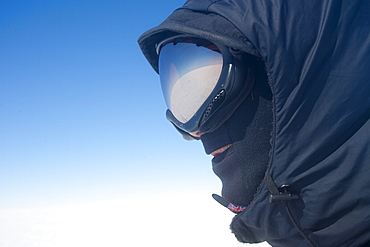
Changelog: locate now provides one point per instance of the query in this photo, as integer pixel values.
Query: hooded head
(245, 125)
(319, 121)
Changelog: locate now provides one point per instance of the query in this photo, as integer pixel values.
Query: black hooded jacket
(317, 58)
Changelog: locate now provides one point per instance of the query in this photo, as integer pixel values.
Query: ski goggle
(196, 77)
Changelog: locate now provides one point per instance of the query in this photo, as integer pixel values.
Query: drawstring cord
(284, 196)
(297, 226)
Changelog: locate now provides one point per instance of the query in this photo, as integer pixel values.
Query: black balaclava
(241, 167)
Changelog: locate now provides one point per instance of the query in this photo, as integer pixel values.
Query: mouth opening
(220, 150)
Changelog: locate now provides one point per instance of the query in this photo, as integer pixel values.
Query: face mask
(242, 166)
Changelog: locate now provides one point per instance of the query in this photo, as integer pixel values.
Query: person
(278, 92)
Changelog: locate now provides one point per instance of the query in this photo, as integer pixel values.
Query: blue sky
(82, 119)
(81, 110)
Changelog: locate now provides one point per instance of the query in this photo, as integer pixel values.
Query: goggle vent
(214, 104)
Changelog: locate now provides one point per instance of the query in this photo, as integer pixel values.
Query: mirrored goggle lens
(188, 75)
